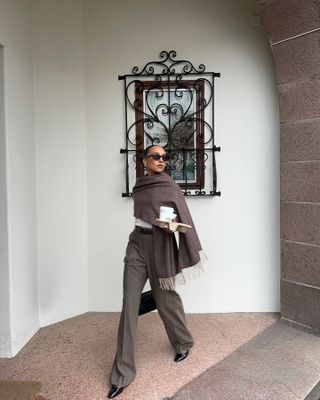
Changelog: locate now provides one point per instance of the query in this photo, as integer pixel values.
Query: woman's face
(155, 166)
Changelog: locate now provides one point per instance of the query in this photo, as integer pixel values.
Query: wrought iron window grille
(170, 103)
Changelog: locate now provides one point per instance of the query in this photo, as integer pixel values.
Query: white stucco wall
(5, 328)
(19, 290)
(62, 175)
(239, 231)
(60, 158)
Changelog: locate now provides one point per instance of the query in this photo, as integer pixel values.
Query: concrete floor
(235, 356)
(281, 363)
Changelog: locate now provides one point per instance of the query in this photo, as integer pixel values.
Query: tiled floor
(72, 359)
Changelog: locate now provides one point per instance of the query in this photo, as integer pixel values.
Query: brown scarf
(173, 265)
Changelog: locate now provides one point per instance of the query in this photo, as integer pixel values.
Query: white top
(142, 224)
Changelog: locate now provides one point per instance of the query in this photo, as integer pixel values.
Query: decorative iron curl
(168, 65)
(204, 158)
(200, 192)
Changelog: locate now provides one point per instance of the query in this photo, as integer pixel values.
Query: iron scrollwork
(171, 103)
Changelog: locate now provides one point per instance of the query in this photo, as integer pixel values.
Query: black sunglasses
(157, 156)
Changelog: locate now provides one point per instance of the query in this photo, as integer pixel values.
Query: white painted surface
(239, 231)
(21, 277)
(70, 95)
(5, 328)
(61, 158)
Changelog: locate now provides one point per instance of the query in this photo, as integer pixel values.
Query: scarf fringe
(185, 275)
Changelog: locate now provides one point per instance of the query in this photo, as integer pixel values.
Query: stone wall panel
(287, 18)
(300, 222)
(300, 263)
(300, 181)
(293, 28)
(300, 303)
(300, 99)
(300, 141)
(297, 59)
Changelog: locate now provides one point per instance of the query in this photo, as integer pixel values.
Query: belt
(146, 231)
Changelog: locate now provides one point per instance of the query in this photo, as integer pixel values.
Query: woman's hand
(171, 227)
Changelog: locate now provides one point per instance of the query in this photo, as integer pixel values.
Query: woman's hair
(146, 150)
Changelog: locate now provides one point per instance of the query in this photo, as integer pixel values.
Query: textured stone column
(293, 28)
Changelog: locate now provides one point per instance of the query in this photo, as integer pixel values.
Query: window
(170, 103)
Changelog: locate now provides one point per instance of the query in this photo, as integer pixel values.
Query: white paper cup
(167, 214)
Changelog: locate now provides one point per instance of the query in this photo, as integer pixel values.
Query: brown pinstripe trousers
(138, 264)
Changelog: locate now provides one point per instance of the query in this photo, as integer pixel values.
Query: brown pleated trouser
(137, 269)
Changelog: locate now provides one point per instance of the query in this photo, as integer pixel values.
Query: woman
(152, 252)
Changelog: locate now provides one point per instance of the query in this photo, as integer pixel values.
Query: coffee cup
(167, 214)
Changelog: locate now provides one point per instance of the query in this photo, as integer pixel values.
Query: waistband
(143, 230)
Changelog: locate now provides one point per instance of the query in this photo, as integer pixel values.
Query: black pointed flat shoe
(115, 391)
(181, 356)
